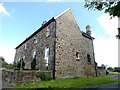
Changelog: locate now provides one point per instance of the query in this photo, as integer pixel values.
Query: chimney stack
(88, 31)
(43, 22)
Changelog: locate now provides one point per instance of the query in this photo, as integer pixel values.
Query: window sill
(89, 63)
(47, 36)
(78, 59)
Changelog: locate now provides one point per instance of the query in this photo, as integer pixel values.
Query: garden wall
(101, 71)
(14, 78)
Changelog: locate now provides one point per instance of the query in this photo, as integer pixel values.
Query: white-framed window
(35, 39)
(77, 55)
(46, 57)
(48, 31)
(34, 54)
(25, 46)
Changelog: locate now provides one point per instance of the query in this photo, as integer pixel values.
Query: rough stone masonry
(60, 46)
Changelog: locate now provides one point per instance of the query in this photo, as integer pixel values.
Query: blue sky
(19, 20)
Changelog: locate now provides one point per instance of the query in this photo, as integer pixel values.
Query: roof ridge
(61, 13)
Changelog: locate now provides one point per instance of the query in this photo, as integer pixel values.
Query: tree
(33, 63)
(110, 69)
(109, 6)
(2, 59)
(10, 66)
(20, 64)
(117, 69)
(3, 62)
(103, 66)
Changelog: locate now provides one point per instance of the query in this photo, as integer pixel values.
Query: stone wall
(69, 41)
(39, 47)
(14, 78)
(101, 71)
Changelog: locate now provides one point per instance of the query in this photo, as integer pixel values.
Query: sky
(18, 20)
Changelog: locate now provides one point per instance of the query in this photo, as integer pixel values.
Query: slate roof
(47, 23)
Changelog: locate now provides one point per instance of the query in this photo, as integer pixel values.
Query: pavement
(4, 84)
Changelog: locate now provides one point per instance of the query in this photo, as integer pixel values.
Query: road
(113, 86)
(115, 76)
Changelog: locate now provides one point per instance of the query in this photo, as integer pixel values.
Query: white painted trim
(118, 22)
(61, 13)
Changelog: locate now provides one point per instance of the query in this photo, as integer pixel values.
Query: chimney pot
(43, 22)
(88, 31)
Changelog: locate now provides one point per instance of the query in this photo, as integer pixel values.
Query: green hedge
(44, 76)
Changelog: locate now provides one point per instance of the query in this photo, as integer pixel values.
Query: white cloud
(106, 51)
(106, 48)
(108, 25)
(3, 11)
(8, 53)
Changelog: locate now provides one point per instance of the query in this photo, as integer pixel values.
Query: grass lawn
(114, 73)
(70, 83)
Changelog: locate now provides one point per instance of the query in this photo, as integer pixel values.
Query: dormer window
(77, 55)
(35, 39)
(48, 31)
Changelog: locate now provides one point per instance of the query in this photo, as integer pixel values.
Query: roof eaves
(52, 19)
(87, 36)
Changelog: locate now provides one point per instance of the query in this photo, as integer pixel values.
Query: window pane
(25, 46)
(77, 55)
(46, 56)
(35, 39)
(88, 57)
(48, 31)
(34, 53)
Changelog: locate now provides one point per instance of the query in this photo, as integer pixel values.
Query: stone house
(60, 46)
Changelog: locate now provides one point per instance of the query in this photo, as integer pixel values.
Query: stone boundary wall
(101, 72)
(14, 78)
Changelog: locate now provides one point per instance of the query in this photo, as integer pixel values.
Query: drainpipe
(54, 51)
(118, 36)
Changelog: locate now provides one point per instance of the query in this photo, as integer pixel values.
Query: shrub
(116, 69)
(19, 64)
(45, 76)
(33, 63)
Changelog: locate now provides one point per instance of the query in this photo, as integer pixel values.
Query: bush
(110, 69)
(10, 66)
(44, 76)
(33, 63)
(116, 69)
(19, 64)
